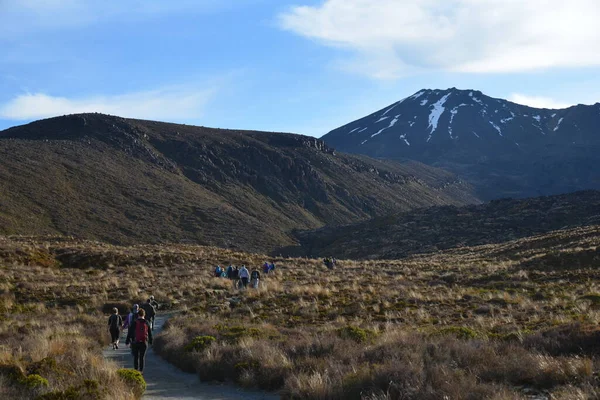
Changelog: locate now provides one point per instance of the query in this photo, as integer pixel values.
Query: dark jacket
(154, 304)
(131, 331)
(115, 321)
(149, 309)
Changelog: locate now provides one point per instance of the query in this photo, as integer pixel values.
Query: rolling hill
(128, 181)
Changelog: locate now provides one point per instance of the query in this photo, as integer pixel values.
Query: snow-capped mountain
(506, 149)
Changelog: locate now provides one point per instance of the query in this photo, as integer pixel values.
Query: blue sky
(278, 65)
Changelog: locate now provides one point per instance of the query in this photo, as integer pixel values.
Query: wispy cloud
(171, 104)
(537, 101)
(18, 17)
(396, 37)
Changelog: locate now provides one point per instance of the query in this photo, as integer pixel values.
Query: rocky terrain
(445, 227)
(504, 149)
(129, 181)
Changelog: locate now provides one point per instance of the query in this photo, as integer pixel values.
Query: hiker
(244, 275)
(254, 278)
(229, 271)
(266, 267)
(272, 267)
(140, 336)
(150, 312)
(235, 277)
(218, 272)
(328, 262)
(153, 302)
(115, 322)
(131, 316)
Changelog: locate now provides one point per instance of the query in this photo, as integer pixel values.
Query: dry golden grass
(488, 322)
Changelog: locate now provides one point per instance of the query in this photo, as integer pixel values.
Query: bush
(357, 334)
(200, 343)
(133, 379)
(461, 332)
(34, 381)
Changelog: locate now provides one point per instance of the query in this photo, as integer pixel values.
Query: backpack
(141, 331)
(254, 274)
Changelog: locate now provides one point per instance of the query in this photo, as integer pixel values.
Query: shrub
(199, 343)
(34, 381)
(133, 379)
(355, 333)
(461, 332)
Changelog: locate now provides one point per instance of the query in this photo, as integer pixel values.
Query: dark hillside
(445, 227)
(126, 181)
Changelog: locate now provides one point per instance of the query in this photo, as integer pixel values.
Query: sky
(287, 65)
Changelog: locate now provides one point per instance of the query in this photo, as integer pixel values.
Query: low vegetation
(506, 321)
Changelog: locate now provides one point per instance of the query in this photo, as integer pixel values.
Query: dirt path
(165, 381)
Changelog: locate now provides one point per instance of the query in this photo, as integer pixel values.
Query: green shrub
(133, 379)
(461, 332)
(34, 381)
(199, 343)
(355, 333)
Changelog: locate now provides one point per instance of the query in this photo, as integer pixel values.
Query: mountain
(127, 181)
(446, 227)
(504, 149)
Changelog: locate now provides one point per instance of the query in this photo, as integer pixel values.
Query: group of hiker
(138, 324)
(241, 277)
(329, 262)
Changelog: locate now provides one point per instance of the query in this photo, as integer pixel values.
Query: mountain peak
(458, 127)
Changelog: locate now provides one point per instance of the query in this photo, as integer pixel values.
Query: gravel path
(165, 381)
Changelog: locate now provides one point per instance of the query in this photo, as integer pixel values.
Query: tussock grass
(495, 321)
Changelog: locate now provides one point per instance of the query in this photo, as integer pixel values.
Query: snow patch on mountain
(537, 118)
(558, 124)
(363, 129)
(393, 106)
(354, 130)
(496, 127)
(475, 134)
(417, 95)
(436, 113)
(403, 137)
(364, 141)
(424, 102)
(505, 120)
(381, 119)
(392, 123)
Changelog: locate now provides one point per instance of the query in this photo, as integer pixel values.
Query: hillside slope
(127, 181)
(504, 149)
(447, 227)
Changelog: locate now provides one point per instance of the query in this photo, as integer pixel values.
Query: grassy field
(505, 321)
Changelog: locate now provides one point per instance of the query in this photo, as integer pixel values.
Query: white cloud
(170, 104)
(390, 38)
(537, 101)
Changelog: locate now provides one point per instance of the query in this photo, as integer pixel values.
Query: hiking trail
(165, 381)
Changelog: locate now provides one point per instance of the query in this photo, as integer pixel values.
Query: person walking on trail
(131, 316)
(266, 268)
(140, 336)
(228, 271)
(218, 271)
(244, 276)
(235, 277)
(272, 267)
(154, 303)
(254, 278)
(150, 312)
(115, 322)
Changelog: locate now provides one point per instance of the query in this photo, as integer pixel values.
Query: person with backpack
(254, 278)
(115, 322)
(131, 316)
(150, 312)
(218, 271)
(266, 268)
(140, 336)
(244, 276)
